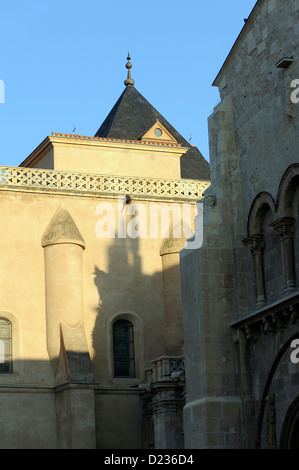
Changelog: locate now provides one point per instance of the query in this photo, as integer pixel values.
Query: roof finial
(129, 81)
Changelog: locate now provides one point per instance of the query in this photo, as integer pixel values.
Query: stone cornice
(269, 317)
(174, 148)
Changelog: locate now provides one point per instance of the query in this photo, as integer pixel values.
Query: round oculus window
(158, 132)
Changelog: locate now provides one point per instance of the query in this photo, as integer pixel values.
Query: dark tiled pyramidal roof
(132, 116)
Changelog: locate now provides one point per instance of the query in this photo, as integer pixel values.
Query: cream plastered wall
(120, 276)
(102, 156)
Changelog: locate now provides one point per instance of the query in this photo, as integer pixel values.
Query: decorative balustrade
(89, 184)
(166, 368)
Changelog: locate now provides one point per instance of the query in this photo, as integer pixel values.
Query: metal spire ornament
(129, 81)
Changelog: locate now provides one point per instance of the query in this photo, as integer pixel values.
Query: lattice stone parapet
(89, 184)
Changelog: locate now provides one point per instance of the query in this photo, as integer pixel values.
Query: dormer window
(158, 132)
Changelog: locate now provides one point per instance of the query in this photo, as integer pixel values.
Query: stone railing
(166, 368)
(89, 184)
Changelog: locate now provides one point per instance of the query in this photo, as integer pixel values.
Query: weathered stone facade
(90, 288)
(240, 289)
(225, 374)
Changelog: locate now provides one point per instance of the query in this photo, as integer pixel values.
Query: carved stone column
(242, 337)
(257, 245)
(167, 403)
(284, 228)
(163, 397)
(271, 422)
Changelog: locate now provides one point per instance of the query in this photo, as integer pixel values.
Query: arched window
(5, 347)
(123, 349)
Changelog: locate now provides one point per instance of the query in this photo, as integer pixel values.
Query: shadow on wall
(150, 317)
(143, 300)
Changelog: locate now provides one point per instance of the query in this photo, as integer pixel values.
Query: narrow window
(5, 347)
(123, 349)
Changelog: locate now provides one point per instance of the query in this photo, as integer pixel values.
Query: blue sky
(63, 64)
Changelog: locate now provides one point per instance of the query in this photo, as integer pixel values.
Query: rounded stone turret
(63, 245)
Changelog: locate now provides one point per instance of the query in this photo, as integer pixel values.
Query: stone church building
(241, 288)
(114, 333)
(91, 329)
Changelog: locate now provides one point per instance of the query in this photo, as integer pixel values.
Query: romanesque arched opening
(290, 430)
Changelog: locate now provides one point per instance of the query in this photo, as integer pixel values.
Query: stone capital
(284, 227)
(256, 243)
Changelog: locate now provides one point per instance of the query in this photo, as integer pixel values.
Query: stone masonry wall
(253, 136)
(261, 95)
